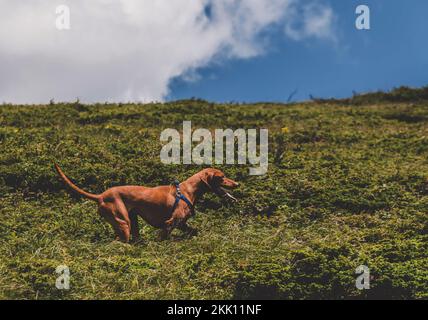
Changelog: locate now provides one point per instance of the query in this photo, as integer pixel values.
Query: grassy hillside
(347, 185)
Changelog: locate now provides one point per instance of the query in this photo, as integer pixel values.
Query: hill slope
(347, 185)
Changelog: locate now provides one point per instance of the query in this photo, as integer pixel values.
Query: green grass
(347, 185)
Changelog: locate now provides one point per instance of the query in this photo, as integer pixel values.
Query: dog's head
(215, 180)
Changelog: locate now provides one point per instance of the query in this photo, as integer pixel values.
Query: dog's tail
(74, 187)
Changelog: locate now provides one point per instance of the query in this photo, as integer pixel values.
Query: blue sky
(236, 50)
(393, 53)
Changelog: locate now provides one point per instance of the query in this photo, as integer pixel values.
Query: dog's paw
(137, 241)
(192, 232)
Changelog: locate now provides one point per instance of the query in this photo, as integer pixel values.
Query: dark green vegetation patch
(347, 185)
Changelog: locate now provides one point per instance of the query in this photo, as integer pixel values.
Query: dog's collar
(179, 196)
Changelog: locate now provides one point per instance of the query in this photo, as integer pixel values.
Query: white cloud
(312, 20)
(120, 50)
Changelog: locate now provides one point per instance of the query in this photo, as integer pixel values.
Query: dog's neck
(193, 188)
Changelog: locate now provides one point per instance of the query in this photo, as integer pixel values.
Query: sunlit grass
(347, 185)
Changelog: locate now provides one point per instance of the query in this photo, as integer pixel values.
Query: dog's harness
(179, 196)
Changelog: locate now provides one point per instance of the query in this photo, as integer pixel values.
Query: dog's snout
(230, 183)
(234, 183)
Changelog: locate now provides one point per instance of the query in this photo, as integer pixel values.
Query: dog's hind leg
(123, 221)
(135, 228)
(107, 212)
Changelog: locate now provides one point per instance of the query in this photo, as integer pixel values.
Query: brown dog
(121, 206)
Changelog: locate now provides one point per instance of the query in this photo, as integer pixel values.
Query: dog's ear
(205, 178)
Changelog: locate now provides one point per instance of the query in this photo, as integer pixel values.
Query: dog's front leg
(165, 233)
(184, 227)
(168, 227)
